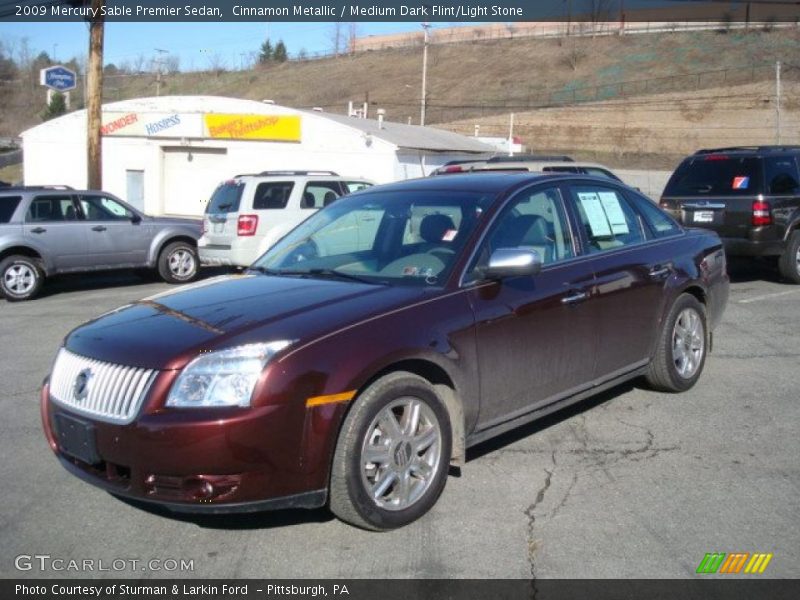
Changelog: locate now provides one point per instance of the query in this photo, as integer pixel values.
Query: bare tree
(599, 12)
(216, 63)
(336, 38)
(352, 36)
(172, 64)
(138, 63)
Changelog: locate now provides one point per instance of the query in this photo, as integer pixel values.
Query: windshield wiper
(317, 273)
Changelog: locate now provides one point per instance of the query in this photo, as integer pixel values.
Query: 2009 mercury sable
(365, 352)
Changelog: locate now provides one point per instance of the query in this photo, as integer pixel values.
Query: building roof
(403, 136)
(412, 137)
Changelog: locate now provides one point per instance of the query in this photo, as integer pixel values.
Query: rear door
(53, 225)
(630, 275)
(716, 191)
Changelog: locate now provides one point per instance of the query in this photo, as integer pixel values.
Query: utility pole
(778, 102)
(425, 26)
(158, 62)
(94, 106)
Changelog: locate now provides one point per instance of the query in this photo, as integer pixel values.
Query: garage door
(190, 176)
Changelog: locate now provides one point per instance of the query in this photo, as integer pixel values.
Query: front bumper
(250, 460)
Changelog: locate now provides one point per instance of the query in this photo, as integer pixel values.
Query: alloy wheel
(182, 263)
(19, 279)
(688, 343)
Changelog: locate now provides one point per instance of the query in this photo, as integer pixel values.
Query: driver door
(535, 335)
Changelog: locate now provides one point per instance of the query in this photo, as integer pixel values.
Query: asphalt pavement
(630, 484)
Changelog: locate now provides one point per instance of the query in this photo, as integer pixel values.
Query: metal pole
(159, 62)
(423, 101)
(94, 112)
(778, 102)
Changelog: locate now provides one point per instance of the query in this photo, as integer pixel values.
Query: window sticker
(595, 214)
(616, 218)
(449, 235)
(741, 183)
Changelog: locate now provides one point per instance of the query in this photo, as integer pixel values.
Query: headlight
(223, 378)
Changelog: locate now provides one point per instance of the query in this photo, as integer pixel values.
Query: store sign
(273, 128)
(58, 78)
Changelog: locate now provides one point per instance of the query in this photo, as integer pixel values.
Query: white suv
(249, 213)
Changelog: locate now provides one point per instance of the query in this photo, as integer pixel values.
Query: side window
(8, 205)
(534, 219)
(51, 208)
(272, 195)
(780, 173)
(661, 224)
(319, 194)
(102, 208)
(607, 219)
(356, 186)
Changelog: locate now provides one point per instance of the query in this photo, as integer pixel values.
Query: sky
(195, 43)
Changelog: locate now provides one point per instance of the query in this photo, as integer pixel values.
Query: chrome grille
(109, 392)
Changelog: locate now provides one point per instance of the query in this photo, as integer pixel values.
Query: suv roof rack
(531, 158)
(287, 173)
(748, 149)
(24, 188)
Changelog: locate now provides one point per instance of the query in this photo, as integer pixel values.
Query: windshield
(404, 238)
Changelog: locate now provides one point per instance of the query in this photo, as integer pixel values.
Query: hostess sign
(58, 78)
(272, 128)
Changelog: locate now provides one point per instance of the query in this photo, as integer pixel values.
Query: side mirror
(136, 219)
(513, 262)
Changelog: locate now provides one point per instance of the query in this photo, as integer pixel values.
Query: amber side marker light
(330, 399)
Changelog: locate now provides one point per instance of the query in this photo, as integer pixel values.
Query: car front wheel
(178, 263)
(392, 455)
(789, 262)
(682, 347)
(21, 278)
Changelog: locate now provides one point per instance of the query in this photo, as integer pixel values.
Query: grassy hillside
(478, 80)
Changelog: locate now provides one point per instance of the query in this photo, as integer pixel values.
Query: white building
(166, 155)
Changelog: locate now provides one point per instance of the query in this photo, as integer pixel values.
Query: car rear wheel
(392, 455)
(21, 278)
(789, 262)
(178, 262)
(682, 347)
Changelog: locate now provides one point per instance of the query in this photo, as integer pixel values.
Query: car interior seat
(329, 198)
(308, 201)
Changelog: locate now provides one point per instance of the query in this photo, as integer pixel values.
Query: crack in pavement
(530, 512)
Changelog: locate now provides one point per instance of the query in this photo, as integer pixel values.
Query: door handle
(98, 228)
(574, 298)
(38, 230)
(658, 271)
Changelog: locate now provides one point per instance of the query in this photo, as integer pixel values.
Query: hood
(168, 330)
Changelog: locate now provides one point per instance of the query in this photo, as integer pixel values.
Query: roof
(411, 137)
(469, 182)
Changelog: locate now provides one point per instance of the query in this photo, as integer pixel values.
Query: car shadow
(746, 270)
(523, 431)
(237, 521)
(83, 282)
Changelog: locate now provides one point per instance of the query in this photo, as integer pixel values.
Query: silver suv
(49, 230)
(249, 213)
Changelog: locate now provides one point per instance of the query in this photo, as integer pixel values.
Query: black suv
(749, 195)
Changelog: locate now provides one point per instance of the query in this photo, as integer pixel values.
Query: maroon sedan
(363, 353)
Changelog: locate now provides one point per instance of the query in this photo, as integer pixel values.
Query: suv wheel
(392, 455)
(21, 278)
(178, 262)
(789, 262)
(682, 347)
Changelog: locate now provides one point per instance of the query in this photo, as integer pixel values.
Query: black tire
(789, 262)
(178, 262)
(350, 477)
(679, 357)
(21, 278)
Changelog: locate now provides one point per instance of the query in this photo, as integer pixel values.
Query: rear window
(226, 198)
(8, 205)
(715, 174)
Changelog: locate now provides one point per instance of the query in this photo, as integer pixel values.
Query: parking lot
(631, 484)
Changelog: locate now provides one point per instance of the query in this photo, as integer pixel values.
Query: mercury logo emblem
(81, 388)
